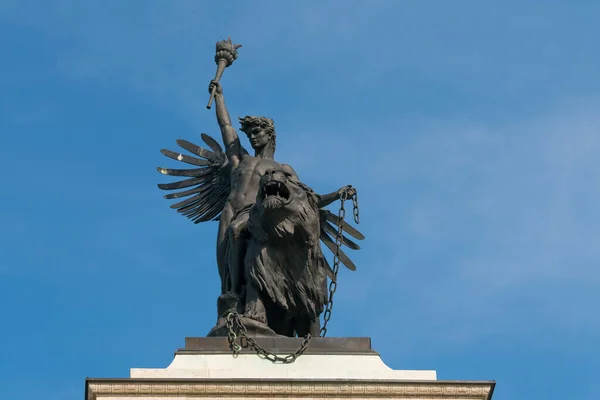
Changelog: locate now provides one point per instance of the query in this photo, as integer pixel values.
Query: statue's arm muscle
(230, 137)
(327, 199)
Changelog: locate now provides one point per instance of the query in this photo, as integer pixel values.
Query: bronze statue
(273, 271)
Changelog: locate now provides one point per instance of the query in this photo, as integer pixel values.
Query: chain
(336, 256)
(233, 318)
(231, 335)
(355, 207)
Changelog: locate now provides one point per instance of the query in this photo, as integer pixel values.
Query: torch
(226, 54)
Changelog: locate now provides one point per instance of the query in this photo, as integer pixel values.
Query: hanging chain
(355, 207)
(234, 320)
(231, 335)
(336, 256)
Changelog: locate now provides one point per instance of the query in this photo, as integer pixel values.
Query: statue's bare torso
(245, 178)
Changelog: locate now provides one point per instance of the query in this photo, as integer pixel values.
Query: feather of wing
(178, 195)
(331, 246)
(212, 143)
(198, 211)
(203, 206)
(185, 158)
(195, 149)
(181, 206)
(349, 229)
(180, 184)
(187, 202)
(221, 207)
(209, 196)
(197, 172)
(333, 232)
(328, 270)
(214, 210)
(207, 210)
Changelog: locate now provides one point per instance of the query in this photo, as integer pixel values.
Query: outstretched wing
(209, 185)
(329, 232)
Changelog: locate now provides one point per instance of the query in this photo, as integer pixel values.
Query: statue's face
(258, 138)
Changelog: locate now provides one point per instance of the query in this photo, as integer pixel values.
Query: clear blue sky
(470, 128)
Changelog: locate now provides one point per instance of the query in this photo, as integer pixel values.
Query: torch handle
(220, 68)
(212, 96)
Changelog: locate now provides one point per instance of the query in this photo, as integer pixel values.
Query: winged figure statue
(270, 260)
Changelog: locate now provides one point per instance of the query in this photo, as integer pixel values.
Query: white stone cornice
(228, 389)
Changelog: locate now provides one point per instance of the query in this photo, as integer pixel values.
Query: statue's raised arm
(210, 185)
(233, 148)
(226, 53)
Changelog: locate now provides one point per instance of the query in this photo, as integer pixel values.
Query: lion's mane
(284, 260)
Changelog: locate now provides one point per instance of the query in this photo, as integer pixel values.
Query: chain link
(234, 320)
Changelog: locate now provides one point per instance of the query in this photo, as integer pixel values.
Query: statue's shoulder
(247, 158)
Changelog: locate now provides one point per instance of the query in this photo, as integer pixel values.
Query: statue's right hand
(216, 85)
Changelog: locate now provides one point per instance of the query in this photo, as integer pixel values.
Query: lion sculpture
(285, 269)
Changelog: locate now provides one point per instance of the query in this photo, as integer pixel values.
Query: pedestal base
(331, 368)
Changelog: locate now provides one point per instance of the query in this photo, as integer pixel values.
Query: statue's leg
(222, 245)
(237, 251)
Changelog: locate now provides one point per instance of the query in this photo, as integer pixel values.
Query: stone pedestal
(331, 368)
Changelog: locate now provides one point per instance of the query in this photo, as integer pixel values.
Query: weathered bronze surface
(269, 257)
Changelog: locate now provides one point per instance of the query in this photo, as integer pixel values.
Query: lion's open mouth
(275, 194)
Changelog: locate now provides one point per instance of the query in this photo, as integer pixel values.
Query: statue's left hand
(349, 190)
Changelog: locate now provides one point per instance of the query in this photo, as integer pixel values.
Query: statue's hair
(248, 122)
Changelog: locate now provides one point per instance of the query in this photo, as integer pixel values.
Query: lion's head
(284, 207)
